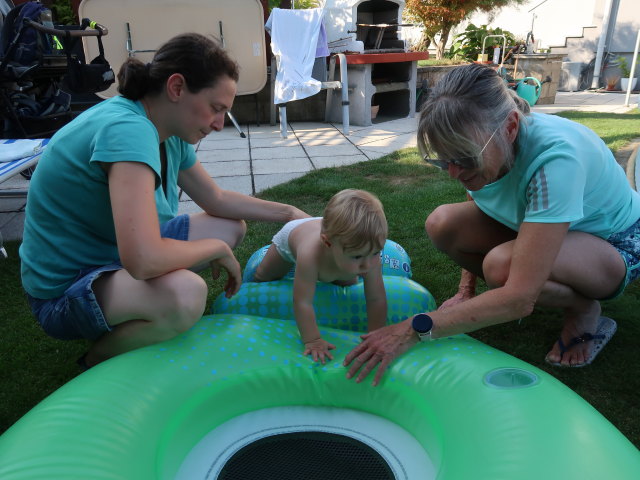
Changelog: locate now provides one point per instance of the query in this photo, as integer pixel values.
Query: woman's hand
(380, 347)
(460, 297)
(319, 350)
(234, 273)
(466, 290)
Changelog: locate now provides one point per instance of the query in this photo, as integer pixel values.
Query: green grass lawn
(33, 365)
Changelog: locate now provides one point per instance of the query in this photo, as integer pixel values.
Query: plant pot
(374, 111)
(624, 84)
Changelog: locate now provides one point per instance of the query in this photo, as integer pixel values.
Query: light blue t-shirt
(69, 224)
(563, 172)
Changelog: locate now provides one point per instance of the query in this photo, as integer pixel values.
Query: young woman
(104, 256)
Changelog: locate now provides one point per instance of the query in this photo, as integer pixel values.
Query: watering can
(529, 92)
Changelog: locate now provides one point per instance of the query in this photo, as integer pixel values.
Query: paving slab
(275, 153)
(228, 169)
(282, 165)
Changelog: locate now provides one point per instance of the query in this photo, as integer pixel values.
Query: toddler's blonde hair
(356, 219)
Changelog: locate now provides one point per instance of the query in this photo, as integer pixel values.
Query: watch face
(422, 323)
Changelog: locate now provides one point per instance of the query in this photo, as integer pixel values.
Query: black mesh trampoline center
(307, 443)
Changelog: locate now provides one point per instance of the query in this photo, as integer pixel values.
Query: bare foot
(575, 325)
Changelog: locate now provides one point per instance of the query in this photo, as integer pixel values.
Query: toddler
(339, 247)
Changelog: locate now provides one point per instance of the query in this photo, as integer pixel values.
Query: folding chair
(294, 39)
(17, 156)
(131, 52)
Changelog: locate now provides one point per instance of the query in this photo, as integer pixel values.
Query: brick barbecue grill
(371, 26)
(382, 74)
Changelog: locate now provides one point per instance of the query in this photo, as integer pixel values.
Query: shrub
(625, 70)
(468, 44)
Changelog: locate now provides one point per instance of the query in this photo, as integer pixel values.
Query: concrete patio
(263, 159)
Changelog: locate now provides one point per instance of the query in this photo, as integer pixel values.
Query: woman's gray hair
(467, 105)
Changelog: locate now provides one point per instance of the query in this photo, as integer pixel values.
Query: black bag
(92, 77)
(20, 44)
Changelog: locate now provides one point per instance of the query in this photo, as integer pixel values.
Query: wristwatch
(422, 324)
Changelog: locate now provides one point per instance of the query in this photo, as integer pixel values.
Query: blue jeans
(77, 313)
(628, 245)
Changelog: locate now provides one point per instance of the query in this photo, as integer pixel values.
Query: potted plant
(468, 44)
(626, 73)
(612, 81)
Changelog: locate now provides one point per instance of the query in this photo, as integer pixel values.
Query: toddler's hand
(319, 349)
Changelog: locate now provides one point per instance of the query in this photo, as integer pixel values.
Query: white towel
(16, 149)
(294, 38)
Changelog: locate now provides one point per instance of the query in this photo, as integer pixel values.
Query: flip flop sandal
(604, 331)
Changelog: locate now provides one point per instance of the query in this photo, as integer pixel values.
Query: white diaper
(281, 239)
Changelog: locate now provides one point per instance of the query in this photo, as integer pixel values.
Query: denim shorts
(76, 313)
(628, 245)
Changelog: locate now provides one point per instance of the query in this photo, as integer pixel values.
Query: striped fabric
(538, 192)
(9, 169)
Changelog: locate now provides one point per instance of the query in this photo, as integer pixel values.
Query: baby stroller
(40, 68)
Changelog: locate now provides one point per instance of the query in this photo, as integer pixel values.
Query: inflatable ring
(473, 411)
(335, 306)
(394, 260)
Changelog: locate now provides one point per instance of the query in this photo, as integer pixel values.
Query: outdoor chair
(16, 156)
(295, 45)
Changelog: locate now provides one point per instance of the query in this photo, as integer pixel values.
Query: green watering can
(530, 92)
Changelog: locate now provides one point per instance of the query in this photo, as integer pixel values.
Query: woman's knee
(440, 227)
(496, 265)
(184, 296)
(240, 230)
(230, 231)
(234, 232)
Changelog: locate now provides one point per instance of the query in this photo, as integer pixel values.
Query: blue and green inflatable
(335, 306)
(474, 412)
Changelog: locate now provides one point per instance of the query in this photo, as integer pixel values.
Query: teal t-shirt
(563, 172)
(68, 223)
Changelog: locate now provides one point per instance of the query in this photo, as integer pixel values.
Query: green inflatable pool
(474, 412)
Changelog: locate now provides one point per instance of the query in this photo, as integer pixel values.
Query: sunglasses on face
(466, 163)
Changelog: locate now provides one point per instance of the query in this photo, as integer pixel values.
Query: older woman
(553, 221)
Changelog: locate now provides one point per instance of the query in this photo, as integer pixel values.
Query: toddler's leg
(272, 267)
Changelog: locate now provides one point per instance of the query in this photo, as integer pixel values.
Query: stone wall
(539, 66)
(432, 74)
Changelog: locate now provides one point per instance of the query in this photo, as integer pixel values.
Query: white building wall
(626, 27)
(552, 21)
